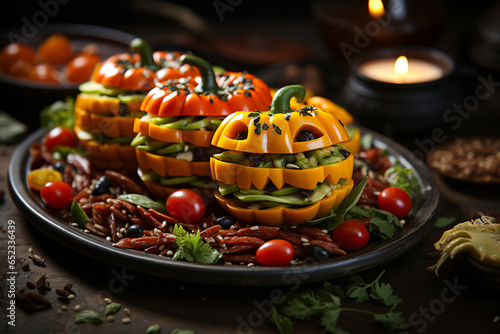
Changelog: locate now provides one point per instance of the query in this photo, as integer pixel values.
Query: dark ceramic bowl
(375, 253)
(401, 110)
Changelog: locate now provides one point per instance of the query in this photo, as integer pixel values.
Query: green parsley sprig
(325, 304)
(192, 248)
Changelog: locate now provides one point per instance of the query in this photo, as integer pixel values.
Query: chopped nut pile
(474, 159)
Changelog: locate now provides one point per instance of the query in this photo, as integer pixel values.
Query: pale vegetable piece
(480, 239)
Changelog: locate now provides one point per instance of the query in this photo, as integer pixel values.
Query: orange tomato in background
(80, 68)
(56, 49)
(15, 56)
(45, 72)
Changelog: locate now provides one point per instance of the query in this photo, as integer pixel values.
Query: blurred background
(282, 42)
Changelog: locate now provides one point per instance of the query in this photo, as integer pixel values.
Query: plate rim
(95, 247)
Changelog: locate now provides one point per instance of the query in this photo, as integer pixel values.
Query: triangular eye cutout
(237, 131)
(308, 134)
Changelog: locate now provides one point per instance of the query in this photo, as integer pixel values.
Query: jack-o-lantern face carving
(299, 153)
(284, 133)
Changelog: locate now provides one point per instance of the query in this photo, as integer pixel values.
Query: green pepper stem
(143, 48)
(208, 83)
(281, 100)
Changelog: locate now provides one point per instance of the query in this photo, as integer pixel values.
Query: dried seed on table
(63, 293)
(40, 281)
(38, 299)
(30, 285)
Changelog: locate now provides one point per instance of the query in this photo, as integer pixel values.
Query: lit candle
(376, 8)
(401, 70)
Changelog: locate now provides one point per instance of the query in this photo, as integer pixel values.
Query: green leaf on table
(283, 323)
(192, 248)
(11, 130)
(358, 293)
(112, 308)
(391, 320)
(78, 214)
(153, 329)
(88, 316)
(329, 321)
(383, 293)
(444, 221)
(144, 201)
(182, 331)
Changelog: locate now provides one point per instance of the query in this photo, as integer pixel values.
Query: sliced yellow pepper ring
(110, 156)
(280, 215)
(39, 177)
(200, 138)
(111, 127)
(98, 104)
(246, 176)
(105, 105)
(164, 166)
(276, 133)
(354, 145)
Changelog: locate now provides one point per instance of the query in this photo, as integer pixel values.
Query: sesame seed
(376, 193)
(76, 308)
(110, 318)
(254, 228)
(89, 191)
(305, 244)
(304, 240)
(126, 321)
(71, 296)
(124, 211)
(119, 235)
(86, 231)
(250, 264)
(64, 308)
(294, 226)
(170, 253)
(127, 311)
(127, 225)
(123, 230)
(228, 263)
(324, 231)
(164, 224)
(74, 224)
(162, 247)
(108, 238)
(204, 225)
(98, 227)
(402, 221)
(108, 200)
(107, 300)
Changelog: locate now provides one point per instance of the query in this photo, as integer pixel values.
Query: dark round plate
(109, 42)
(376, 253)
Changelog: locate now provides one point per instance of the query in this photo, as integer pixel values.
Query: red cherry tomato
(396, 201)
(57, 194)
(275, 252)
(59, 136)
(351, 235)
(80, 68)
(13, 53)
(186, 205)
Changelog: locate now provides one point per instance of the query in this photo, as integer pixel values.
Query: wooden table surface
(454, 301)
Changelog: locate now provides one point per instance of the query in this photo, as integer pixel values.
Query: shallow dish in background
(109, 42)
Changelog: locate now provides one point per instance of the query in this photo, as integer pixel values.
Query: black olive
(102, 186)
(242, 135)
(225, 222)
(305, 135)
(345, 153)
(60, 166)
(305, 193)
(318, 253)
(200, 155)
(135, 231)
(255, 159)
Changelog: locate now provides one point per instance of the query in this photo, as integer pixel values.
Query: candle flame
(376, 8)
(401, 65)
